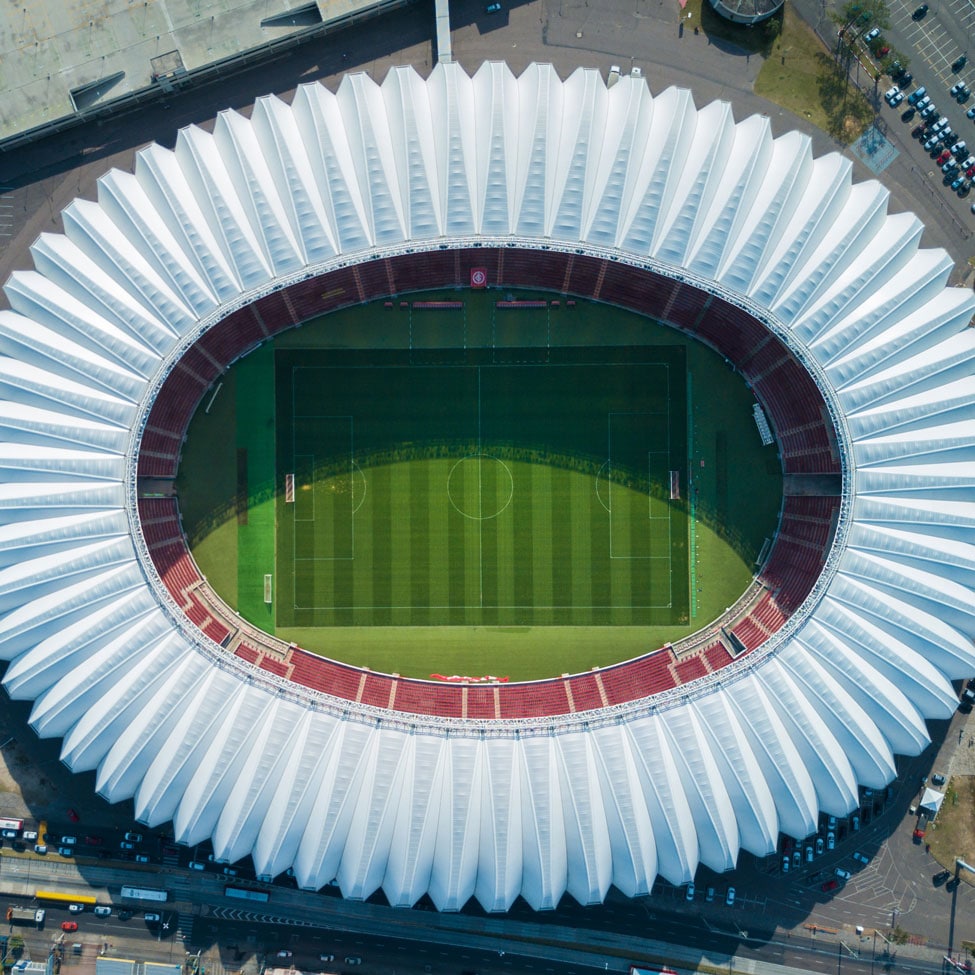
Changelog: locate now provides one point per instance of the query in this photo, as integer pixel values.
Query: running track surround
(792, 401)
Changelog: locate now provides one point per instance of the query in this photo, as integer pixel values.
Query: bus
(15, 824)
(145, 893)
(62, 897)
(246, 894)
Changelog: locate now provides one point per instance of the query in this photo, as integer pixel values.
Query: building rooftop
(61, 60)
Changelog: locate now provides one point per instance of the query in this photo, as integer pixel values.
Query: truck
(26, 915)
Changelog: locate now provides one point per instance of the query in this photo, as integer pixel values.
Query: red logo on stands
(478, 277)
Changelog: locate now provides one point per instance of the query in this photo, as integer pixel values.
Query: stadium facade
(415, 801)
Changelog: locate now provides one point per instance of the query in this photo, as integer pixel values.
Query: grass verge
(801, 75)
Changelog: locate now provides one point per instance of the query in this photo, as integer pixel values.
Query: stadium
(857, 352)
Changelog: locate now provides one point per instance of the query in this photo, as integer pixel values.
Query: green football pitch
(475, 488)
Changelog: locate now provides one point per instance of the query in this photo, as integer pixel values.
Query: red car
(94, 840)
(69, 925)
(944, 157)
(73, 816)
(830, 885)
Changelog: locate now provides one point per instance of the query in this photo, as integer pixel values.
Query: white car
(830, 841)
(152, 918)
(75, 908)
(861, 857)
(871, 35)
(730, 897)
(942, 123)
(842, 874)
(689, 894)
(890, 92)
(897, 99)
(102, 911)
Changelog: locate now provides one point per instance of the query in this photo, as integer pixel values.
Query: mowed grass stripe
(456, 537)
(419, 543)
(581, 555)
(437, 540)
(562, 529)
(382, 575)
(489, 540)
(504, 536)
(363, 541)
(621, 564)
(600, 580)
(401, 543)
(541, 545)
(523, 534)
(469, 503)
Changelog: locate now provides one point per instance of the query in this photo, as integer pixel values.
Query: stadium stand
(788, 394)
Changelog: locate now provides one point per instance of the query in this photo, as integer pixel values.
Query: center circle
(469, 486)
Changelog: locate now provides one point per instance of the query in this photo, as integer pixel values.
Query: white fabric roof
(574, 806)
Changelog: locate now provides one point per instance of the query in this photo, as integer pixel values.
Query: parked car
(709, 895)
(126, 845)
(809, 854)
(142, 858)
(73, 816)
(66, 851)
(9, 834)
(492, 8)
(861, 857)
(942, 123)
(917, 131)
(871, 35)
(326, 958)
(830, 885)
(134, 837)
(94, 840)
(786, 863)
(353, 960)
(729, 898)
(819, 846)
(196, 865)
(958, 150)
(959, 63)
(830, 841)
(949, 167)
(920, 12)
(923, 102)
(955, 88)
(926, 113)
(30, 835)
(958, 183)
(890, 92)
(842, 874)
(229, 872)
(970, 114)
(917, 95)
(943, 157)
(905, 79)
(689, 892)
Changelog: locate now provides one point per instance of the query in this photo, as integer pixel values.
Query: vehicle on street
(94, 840)
(69, 926)
(40, 849)
(729, 898)
(326, 958)
(102, 911)
(152, 918)
(142, 858)
(75, 908)
(842, 874)
(920, 12)
(125, 915)
(284, 953)
(66, 851)
(353, 960)
(861, 857)
(196, 865)
(871, 35)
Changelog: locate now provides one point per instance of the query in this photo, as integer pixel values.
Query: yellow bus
(59, 897)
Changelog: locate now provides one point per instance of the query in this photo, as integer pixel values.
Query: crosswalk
(6, 211)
